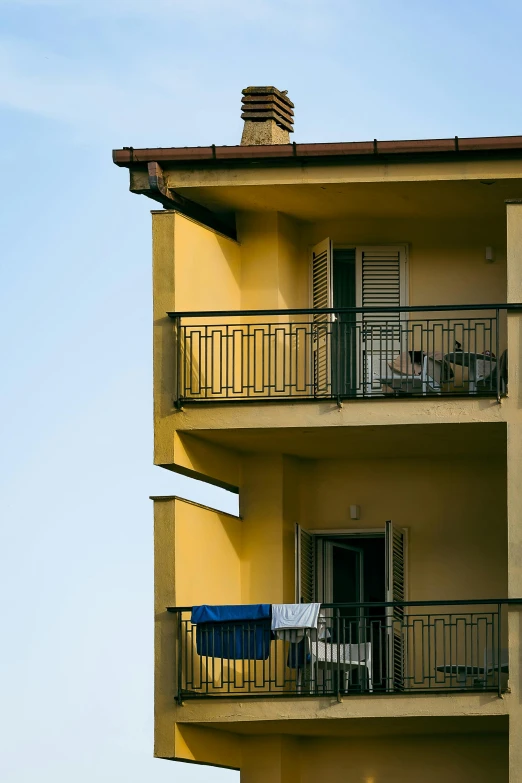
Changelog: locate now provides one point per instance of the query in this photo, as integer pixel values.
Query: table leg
(462, 677)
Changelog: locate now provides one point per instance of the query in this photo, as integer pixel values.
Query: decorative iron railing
(340, 354)
(411, 647)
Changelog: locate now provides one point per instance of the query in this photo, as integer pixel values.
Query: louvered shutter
(382, 282)
(304, 566)
(322, 297)
(395, 591)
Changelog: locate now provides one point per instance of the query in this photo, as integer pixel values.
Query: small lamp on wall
(355, 512)
(489, 255)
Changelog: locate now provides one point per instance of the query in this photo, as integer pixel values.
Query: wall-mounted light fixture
(489, 255)
(355, 512)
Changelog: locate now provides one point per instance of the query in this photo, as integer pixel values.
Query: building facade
(337, 338)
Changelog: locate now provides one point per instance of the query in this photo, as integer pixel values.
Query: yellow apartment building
(337, 338)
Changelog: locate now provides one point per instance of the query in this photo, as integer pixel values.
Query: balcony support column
(514, 483)
(514, 250)
(514, 616)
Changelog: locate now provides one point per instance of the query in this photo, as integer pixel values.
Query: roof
(299, 153)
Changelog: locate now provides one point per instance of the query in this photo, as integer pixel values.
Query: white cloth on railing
(290, 621)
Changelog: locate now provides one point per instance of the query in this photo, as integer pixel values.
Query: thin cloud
(141, 104)
(152, 96)
(289, 16)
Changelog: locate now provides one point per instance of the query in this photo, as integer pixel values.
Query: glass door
(344, 343)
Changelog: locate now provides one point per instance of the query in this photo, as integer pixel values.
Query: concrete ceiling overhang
(474, 440)
(469, 199)
(374, 727)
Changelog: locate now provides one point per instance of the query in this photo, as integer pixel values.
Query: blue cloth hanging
(235, 632)
(298, 658)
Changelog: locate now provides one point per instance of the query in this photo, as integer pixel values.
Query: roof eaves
(129, 156)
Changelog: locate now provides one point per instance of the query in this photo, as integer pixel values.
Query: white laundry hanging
(290, 621)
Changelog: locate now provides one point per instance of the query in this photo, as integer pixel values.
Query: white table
(462, 673)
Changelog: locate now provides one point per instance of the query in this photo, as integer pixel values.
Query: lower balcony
(348, 353)
(355, 649)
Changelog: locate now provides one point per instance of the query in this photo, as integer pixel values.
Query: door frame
(325, 569)
(371, 532)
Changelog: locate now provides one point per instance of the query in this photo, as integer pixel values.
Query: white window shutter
(321, 287)
(321, 275)
(382, 275)
(395, 547)
(304, 566)
(382, 282)
(395, 563)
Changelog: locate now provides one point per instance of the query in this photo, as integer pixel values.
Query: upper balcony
(387, 297)
(339, 354)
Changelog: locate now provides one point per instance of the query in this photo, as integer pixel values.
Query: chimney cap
(268, 114)
(281, 94)
(262, 104)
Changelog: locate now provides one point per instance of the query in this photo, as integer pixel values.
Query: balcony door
(342, 571)
(347, 567)
(350, 566)
(344, 343)
(351, 352)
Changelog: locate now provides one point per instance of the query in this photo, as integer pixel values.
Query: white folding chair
(331, 656)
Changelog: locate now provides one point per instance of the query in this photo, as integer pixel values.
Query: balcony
(350, 353)
(357, 649)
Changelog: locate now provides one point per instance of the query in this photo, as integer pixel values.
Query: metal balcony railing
(247, 355)
(411, 647)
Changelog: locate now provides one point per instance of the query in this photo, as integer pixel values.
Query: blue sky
(77, 78)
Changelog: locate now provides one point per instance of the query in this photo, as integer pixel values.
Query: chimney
(268, 115)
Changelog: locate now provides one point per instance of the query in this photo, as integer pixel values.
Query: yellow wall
(196, 561)
(514, 485)
(193, 269)
(293, 254)
(275, 759)
(261, 500)
(199, 459)
(207, 268)
(269, 266)
(457, 759)
(207, 746)
(269, 507)
(196, 269)
(452, 757)
(272, 255)
(257, 233)
(207, 550)
(459, 511)
(454, 510)
(446, 257)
